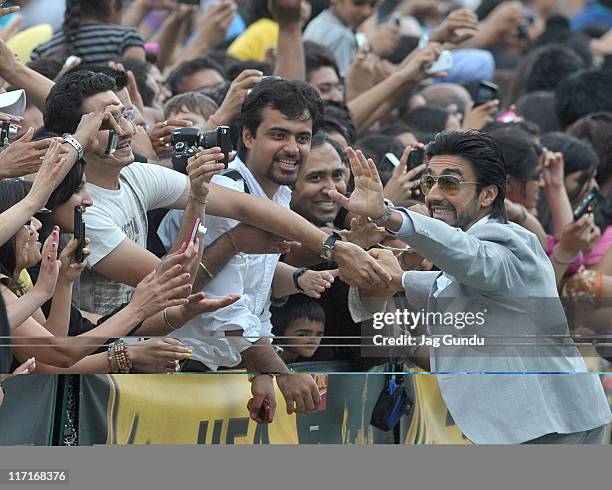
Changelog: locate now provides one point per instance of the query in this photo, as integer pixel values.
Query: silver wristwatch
(384, 219)
(72, 141)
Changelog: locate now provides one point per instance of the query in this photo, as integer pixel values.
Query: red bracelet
(215, 121)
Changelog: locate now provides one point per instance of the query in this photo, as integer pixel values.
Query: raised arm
(290, 61)
(37, 86)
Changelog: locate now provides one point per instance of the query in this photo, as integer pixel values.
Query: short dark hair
(188, 68)
(539, 108)
(321, 138)
(120, 77)
(48, 67)
(549, 64)
(293, 98)
(430, 119)
(376, 146)
(581, 93)
(337, 118)
(297, 306)
(318, 56)
(485, 156)
(140, 69)
(64, 106)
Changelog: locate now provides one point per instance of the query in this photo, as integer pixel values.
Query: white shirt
(248, 275)
(118, 215)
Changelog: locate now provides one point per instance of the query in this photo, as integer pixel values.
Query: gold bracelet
(167, 320)
(206, 270)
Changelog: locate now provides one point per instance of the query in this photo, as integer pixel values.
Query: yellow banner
(431, 422)
(193, 409)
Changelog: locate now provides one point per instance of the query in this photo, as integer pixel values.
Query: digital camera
(8, 131)
(186, 141)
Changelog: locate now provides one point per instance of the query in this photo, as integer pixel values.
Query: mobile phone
(79, 234)
(71, 59)
(587, 205)
(507, 117)
(362, 42)
(113, 140)
(224, 141)
(443, 63)
(415, 158)
(190, 2)
(391, 158)
(194, 230)
(487, 91)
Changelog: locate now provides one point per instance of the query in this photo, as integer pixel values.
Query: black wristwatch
(296, 275)
(327, 249)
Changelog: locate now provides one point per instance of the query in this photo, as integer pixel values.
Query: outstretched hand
(368, 197)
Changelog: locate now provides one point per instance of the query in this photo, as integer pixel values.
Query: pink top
(595, 255)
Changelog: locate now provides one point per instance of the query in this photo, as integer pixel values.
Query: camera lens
(209, 139)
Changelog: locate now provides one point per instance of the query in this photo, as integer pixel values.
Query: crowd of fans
(197, 266)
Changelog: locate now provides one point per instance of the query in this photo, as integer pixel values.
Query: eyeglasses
(448, 184)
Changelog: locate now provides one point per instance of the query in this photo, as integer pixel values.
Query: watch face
(327, 253)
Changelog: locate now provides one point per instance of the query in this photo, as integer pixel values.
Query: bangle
(119, 359)
(562, 262)
(206, 270)
(235, 248)
(204, 202)
(215, 121)
(167, 320)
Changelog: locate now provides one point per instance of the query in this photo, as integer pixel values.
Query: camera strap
(237, 177)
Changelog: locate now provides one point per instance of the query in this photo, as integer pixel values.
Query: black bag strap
(237, 176)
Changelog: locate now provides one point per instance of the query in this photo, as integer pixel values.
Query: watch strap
(72, 141)
(384, 219)
(297, 273)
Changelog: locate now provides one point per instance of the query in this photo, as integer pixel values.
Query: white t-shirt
(117, 215)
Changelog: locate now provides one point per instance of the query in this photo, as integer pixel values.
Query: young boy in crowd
(300, 323)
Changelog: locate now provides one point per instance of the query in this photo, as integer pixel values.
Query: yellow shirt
(253, 43)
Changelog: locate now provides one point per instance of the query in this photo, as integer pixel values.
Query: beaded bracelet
(120, 361)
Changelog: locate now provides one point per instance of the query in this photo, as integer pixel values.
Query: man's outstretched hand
(358, 269)
(368, 197)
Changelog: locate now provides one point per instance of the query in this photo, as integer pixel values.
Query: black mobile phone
(487, 91)
(113, 141)
(224, 141)
(79, 233)
(587, 205)
(415, 158)
(190, 2)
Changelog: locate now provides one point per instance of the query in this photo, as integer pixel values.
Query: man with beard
(278, 117)
(498, 270)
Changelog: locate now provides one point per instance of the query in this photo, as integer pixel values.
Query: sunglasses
(448, 184)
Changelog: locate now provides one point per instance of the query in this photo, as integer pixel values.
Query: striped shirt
(94, 43)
